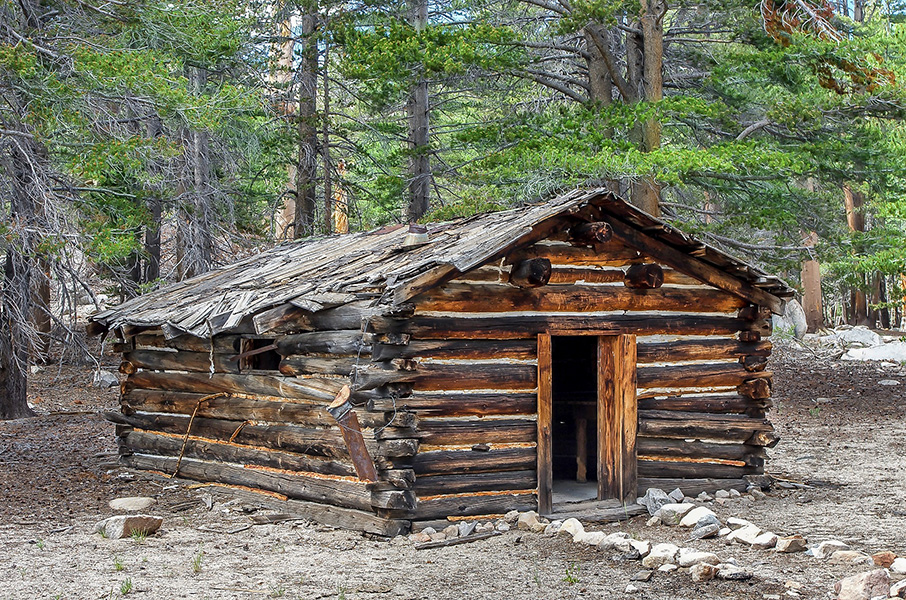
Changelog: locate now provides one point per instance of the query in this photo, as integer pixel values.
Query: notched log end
(590, 234)
(533, 272)
(646, 276)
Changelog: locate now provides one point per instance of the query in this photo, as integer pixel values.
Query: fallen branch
(455, 541)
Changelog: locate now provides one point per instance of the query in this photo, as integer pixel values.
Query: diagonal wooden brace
(341, 410)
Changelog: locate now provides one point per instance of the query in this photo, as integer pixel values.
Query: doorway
(587, 418)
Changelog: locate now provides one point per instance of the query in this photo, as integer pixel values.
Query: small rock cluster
(465, 529)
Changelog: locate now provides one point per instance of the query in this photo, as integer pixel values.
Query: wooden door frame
(617, 423)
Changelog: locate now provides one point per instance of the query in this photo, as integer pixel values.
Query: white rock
(746, 535)
(792, 322)
(502, 526)
(732, 572)
(653, 499)
(859, 335)
(131, 504)
(105, 379)
(721, 494)
(429, 531)
(671, 514)
(898, 566)
(734, 494)
(895, 351)
(125, 525)
(591, 538)
(467, 527)
(692, 517)
(631, 589)
(511, 517)
(737, 523)
(668, 568)
(552, 527)
(765, 541)
(703, 572)
(618, 541)
(724, 531)
(677, 495)
(898, 590)
(643, 547)
(661, 554)
(888, 382)
(653, 522)
(691, 556)
(850, 557)
(527, 520)
(793, 543)
(572, 527)
(825, 549)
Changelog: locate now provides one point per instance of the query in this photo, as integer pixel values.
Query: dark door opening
(574, 409)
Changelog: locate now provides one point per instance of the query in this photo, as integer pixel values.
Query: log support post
(617, 418)
(341, 410)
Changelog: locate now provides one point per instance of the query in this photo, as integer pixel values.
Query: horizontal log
(438, 462)
(328, 490)
(458, 349)
(233, 408)
(150, 443)
(706, 404)
(691, 487)
(691, 349)
(476, 298)
(347, 518)
(296, 364)
(511, 327)
(704, 375)
(199, 362)
(699, 426)
(267, 385)
(315, 441)
(223, 344)
(489, 431)
(460, 405)
(694, 470)
(664, 448)
(475, 482)
(478, 504)
(567, 275)
(349, 341)
(475, 376)
(610, 254)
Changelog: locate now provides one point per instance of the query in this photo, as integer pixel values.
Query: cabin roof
(323, 272)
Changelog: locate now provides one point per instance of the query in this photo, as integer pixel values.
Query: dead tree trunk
(307, 163)
(417, 109)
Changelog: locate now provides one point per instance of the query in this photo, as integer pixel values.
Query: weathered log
(295, 364)
(439, 462)
(754, 364)
(282, 319)
(692, 349)
(164, 445)
(485, 297)
(591, 234)
(694, 470)
(199, 362)
(460, 405)
(754, 313)
(457, 349)
(707, 404)
(692, 487)
(676, 424)
(342, 410)
(475, 376)
(704, 375)
(222, 344)
(646, 276)
(238, 408)
(756, 389)
(768, 439)
(488, 431)
(350, 341)
(316, 441)
(749, 336)
(567, 275)
(478, 504)
(610, 254)
(286, 387)
(475, 482)
(673, 449)
(531, 273)
(345, 491)
(529, 326)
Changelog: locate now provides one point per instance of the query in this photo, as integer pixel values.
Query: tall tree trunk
(307, 163)
(325, 147)
(600, 82)
(811, 289)
(195, 235)
(855, 219)
(286, 107)
(152, 241)
(417, 109)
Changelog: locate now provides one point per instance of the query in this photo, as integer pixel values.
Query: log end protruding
(755, 389)
(646, 276)
(754, 313)
(590, 234)
(766, 439)
(754, 364)
(530, 273)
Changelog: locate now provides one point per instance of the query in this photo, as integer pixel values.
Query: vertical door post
(545, 422)
(617, 418)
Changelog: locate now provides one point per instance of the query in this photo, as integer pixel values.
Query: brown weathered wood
(238, 408)
(627, 384)
(282, 319)
(591, 234)
(151, 443)
(754, 364)
(486, 297)
(426, 485)
(295, 364)
(703, 375)
(692, 349)
(609, 254)
(457, 349)
(581, 450)
(749, 336)
(345, 491)
(648, 276)
(94, 328)
(438, 462)
(199, 362)
(342, 410)
(350, 342)
(617, 421)
(694, 470)
(693, 267)
(223, 344)
(691, 486)
(528, 326)
(530, 273)
(459, 405)
(665, 448)
(477, 504)
(756, 389)
(706, 404)
(475, 376)
(544, 425)
(286, 387)
(489, 431)
(768, 439)
(573, 275)
(754, 313)
(674, 424)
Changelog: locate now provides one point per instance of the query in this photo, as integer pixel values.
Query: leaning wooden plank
(439, 462)
(691, 487)
(316, 441)
(476, 298)
(457, 349)
(490, 431)
(460, 405)
(703, 375)
(475, 537)
(481, 503)
(511, 327)
(426, 485)
(286, 387)
(692, 349)
(195, 447)
(340, 491)
(240, 408)
(694, 470)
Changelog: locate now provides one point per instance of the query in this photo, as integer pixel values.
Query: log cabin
(576, 349)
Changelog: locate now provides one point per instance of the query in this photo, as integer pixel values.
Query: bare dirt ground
(842, 432)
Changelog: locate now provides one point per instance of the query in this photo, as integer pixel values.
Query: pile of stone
(463, 529)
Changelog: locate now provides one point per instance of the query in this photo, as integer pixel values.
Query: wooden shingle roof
(318, 273)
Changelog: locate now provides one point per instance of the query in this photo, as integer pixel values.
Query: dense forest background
(143, 142)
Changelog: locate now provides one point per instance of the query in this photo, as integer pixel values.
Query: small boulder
(527, 520)
(653, 522)
(484, 527)
(511, 517)
(126, 525)
(898, 566)
(438, 536)
(724, 531)
(618, 541)
(699, 513)
(707, 520)
(540, 526)
(466, 528)
(572, 527)
(690, 556)
(757, 494)
(131, 504)
(502, 526)
(765, 541)
(451, 531)
(883, 559)
(898, 590)
(661, 554)
(737, 523)
(677, 496)
(631, 589)
(825, 549)
(735, 493)
(704, 497)
(850, 557)
(721, 494)
(707, 531)
(419, 538)
(653, 499)
(105, 379)
(552, 527)
(429, 531)
(641, 547)
(703, 572)
(668, 568)
(732, 572)
(672, 514)
(793, 543)
(590, 538)
(746, 535)
(642, 576)
(863, 586)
